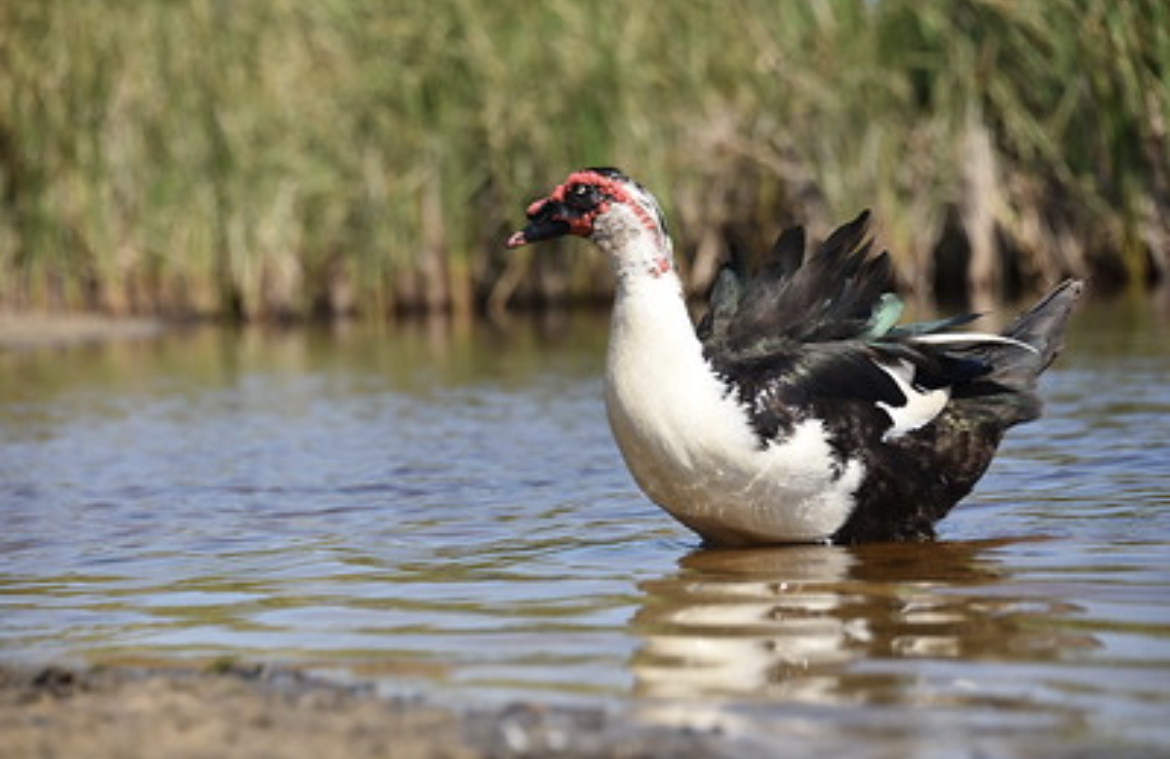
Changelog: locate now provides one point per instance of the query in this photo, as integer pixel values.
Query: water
(443, 512)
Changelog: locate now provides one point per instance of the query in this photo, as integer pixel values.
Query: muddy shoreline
(27, 331)
(257, 711)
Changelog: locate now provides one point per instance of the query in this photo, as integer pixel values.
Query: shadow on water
(789, 623)
(906, 650)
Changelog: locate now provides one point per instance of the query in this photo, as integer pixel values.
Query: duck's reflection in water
(825, 624)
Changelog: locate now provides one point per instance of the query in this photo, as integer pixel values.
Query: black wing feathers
(787, 254)
(831, 296)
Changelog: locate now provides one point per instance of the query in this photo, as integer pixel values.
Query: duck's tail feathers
(1017, 356)
(1042, 328)
(1044, 324)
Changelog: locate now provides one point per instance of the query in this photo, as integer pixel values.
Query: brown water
(444, 513)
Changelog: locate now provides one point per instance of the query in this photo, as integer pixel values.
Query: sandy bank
(259, 712)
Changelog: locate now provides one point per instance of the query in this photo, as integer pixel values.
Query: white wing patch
(921, 407)
(959, 338)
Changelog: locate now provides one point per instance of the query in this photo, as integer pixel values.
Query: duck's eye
(581, 197)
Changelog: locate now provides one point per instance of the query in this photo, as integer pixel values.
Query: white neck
(650, 323)
(634, 250)
(651, 332)
(659, 387)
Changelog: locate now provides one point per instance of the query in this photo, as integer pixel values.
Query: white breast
(690, 446)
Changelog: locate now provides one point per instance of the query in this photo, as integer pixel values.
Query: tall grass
(287, 158)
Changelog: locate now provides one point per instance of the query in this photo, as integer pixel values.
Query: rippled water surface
(443, 512)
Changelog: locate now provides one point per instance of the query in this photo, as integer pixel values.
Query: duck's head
(600, 204)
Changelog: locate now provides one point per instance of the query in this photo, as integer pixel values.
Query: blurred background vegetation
(288, 159)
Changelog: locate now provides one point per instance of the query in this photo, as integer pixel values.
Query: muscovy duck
(796, 411)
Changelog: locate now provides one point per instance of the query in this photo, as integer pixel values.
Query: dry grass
(287, 159)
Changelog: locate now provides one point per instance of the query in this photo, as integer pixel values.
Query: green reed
(287, 159)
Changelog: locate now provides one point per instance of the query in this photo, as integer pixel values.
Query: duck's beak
(547, 220)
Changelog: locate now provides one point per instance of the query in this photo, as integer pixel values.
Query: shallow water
(443, 512)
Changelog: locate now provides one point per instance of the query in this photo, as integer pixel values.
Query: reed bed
(286, 159)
